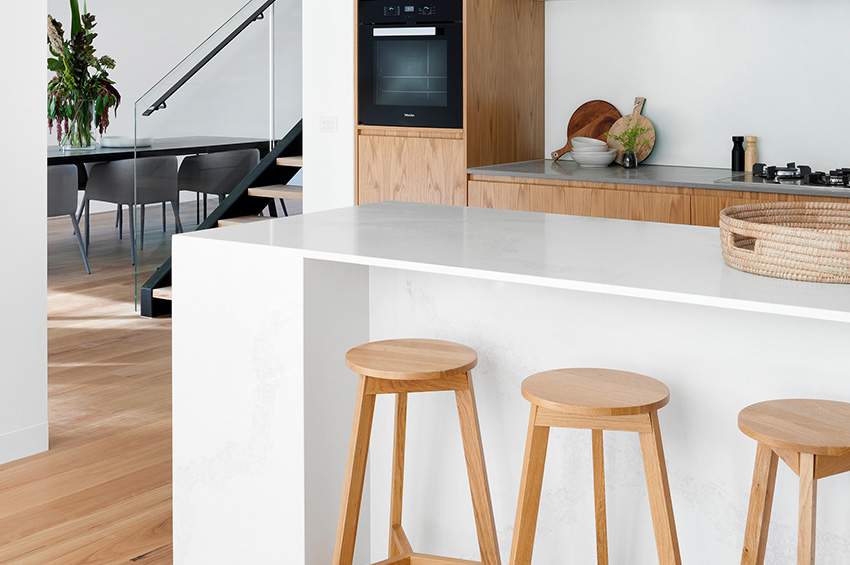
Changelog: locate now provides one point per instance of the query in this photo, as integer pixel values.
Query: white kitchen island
(263, 403)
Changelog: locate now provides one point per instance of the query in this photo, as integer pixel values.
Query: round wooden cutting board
(591, 119)
(642, 151)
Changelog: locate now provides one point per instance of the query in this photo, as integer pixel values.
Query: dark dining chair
(62, 200)
(215, 173)
(156, 182)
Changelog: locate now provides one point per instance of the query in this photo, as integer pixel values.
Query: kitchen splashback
(709, 70)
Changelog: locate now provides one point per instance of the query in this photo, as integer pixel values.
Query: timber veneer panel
(707, 204)
(411, 169)
(504, 81)
(582, 201)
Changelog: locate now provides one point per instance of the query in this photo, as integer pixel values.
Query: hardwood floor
(102, 493)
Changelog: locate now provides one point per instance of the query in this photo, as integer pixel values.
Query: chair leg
(808, 510)
(131, 215)
(80, 242)
(120, 222)
(175, 207)
(87, 207)
(117, 214)
(655, 468)
(599, 498)
(529, 491)
(198, 207)
(761, 503)
(142, 227)
(163, 216)
(205, 205)
(283, 205)
(398, 470)
(355, 473)
(476, 469)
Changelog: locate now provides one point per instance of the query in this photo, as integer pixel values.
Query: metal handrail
(255, 15)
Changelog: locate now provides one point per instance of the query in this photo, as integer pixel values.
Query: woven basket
(804, 241)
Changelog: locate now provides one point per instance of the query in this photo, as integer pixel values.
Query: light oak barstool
(813, 438)
(595, 399)
(401, 366)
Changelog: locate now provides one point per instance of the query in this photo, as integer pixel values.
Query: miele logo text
(410, 115)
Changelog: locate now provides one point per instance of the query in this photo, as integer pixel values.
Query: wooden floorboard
(102, 493)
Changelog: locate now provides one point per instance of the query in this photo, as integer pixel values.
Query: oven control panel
(410, 10)
(380, 11)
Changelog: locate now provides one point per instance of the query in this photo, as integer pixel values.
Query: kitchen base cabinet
(654, 205)
(669, 204)
(707, 204)
(412, 169)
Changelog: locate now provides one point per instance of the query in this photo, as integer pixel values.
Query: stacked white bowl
(594, 153)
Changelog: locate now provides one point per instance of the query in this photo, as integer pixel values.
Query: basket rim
(738, 225)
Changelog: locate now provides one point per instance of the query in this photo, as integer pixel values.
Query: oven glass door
(411, 76)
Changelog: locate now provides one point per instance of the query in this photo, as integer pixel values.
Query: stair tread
(292, 161)
(285, 191)
(241, 220)
(164, 293)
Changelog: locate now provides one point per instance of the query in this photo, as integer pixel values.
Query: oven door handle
(403, 31)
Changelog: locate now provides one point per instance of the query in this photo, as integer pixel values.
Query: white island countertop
(667, 262)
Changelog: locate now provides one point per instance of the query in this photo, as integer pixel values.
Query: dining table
(189, 145)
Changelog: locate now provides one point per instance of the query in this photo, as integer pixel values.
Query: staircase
(244, 204)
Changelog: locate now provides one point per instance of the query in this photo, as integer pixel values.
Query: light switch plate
(328, 124)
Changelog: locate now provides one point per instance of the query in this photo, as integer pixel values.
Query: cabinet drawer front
(625, 205)
(411, 169)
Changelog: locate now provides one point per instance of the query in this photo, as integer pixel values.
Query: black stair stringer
(237, 203)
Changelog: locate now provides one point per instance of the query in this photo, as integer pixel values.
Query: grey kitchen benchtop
(650, 175)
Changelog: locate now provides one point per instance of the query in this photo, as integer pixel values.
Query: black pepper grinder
(738, 153)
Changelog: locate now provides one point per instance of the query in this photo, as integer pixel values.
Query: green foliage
(630, 136)
(80, 76)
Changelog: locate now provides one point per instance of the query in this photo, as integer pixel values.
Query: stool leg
(655, 467)
(529, 491)
(599, 497)
(761, 503)
(355, 473)
(476, 469)
(398, 542)
(808, 510)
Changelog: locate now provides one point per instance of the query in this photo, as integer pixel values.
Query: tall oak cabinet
(502, 113)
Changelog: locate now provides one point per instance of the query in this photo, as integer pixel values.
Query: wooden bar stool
(813, 438)
(595, 399)
(401, 366)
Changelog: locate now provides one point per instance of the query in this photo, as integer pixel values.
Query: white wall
(228, 97)
(23, 233)
(328, 92)
(709, 70)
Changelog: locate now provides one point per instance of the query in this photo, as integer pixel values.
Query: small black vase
(630, 161)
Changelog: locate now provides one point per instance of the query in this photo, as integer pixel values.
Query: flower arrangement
(81, 94)
(630, 136)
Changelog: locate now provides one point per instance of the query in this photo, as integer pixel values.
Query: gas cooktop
(792, 174)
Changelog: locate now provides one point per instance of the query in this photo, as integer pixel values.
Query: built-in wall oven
(410, 63)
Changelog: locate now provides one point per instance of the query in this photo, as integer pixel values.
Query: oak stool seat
(595, 399)
(813, 438)
(402, 366)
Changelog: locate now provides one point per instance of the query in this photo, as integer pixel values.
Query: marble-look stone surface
(643, 259)
(263, 403)
(651, 175)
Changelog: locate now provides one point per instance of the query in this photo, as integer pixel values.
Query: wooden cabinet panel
(705, 210)
(627, 205)
(412, 169)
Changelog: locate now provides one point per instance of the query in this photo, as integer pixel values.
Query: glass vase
(629, 160)
(80, 133)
